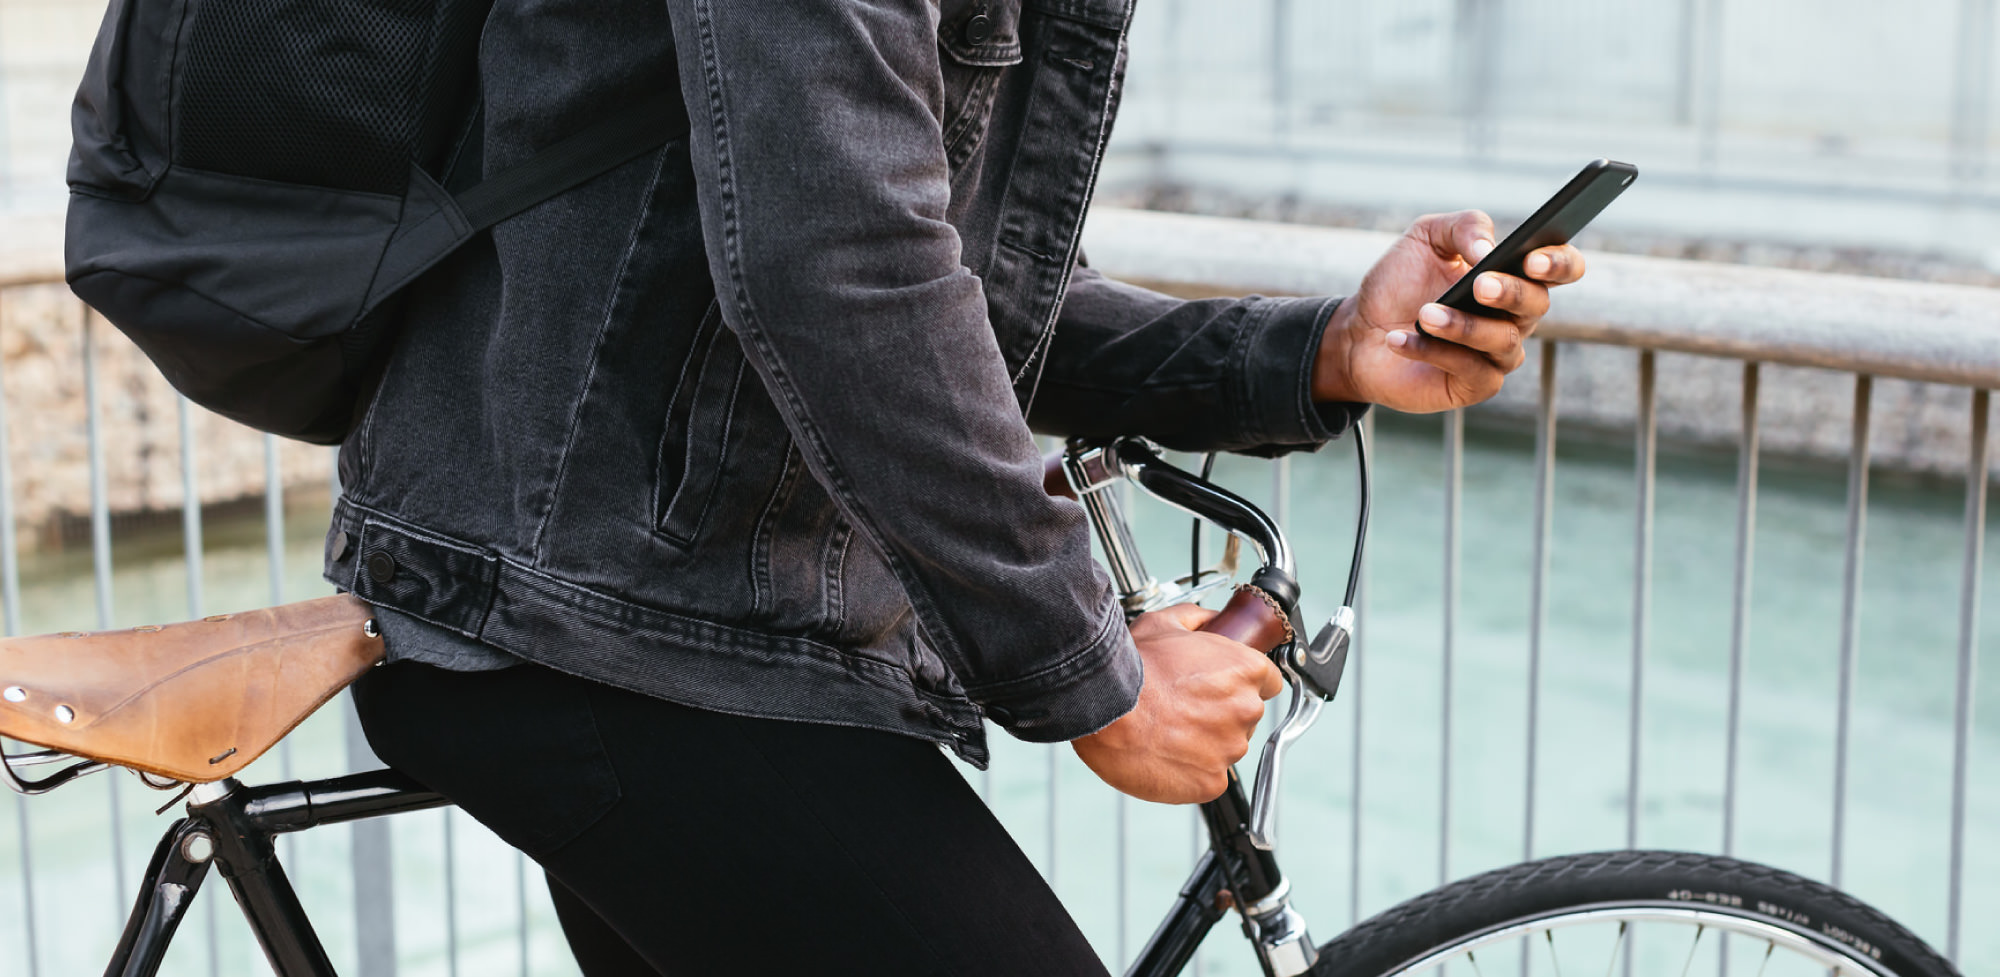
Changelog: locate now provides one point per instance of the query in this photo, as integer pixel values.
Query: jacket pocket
(696, 442)
(978, 40)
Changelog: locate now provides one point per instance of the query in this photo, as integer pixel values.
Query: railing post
(1739, 612)
(10, 616)
(1454, 485)
(369, 859)
(1538, 587)
(1850, 612)
(1538, 593)
(100, 561)
(450, 896)
(1968, 661)
(1647, 452)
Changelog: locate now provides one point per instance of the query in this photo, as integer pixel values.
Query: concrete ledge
(1907, 330)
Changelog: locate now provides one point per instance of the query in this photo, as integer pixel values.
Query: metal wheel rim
(1836, 957)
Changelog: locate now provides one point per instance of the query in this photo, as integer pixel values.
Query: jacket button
(978, 29)
(381, 567)
(339, 546)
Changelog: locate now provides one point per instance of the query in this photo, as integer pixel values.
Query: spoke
(1769, 948)
(1474, 961)
(1691, 950)
(1550, 937)
(1614, 950)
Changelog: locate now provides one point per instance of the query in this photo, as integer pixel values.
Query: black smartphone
(1555, 222)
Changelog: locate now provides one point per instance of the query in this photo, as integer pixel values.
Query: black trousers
(679, 841)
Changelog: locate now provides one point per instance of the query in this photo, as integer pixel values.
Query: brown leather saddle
(194, 702)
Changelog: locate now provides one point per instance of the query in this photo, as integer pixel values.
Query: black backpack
(253, 181)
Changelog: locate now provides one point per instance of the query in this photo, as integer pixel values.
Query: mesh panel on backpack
(331, 93)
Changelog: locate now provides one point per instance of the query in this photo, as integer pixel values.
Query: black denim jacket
(741, 423)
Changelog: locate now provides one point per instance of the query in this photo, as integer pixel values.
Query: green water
(1898, 810)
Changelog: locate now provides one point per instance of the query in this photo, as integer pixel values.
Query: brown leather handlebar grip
(1055, 480)
(1252, 618)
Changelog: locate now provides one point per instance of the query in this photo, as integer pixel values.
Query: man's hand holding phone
(1373, 352)
(1389, 344)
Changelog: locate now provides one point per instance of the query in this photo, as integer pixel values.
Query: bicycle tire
(1544, 894)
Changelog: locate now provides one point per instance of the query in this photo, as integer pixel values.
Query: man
(701, 501)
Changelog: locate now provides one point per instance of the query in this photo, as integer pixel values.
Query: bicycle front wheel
(1672, 913)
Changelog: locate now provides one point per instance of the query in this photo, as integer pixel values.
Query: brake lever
(1313, 671)
(1300, 714)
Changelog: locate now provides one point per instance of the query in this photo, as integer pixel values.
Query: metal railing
(1870, 329)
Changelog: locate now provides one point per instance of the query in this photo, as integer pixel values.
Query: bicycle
(74, 712)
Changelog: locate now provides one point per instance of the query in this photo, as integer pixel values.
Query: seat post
(243, 852)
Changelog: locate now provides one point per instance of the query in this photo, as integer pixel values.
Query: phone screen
(1555, 222)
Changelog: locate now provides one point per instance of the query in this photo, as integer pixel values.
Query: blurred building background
(1810, 126)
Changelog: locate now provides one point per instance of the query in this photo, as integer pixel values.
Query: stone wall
(42, 330)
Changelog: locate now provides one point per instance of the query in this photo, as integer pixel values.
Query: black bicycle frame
(230, 827)
(1232, 873)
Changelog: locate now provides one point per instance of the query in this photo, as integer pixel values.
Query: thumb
(1189, 616)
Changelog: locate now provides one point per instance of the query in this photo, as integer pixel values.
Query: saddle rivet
(216, 617)
(15, 693)
(146, 628)
(70, 634)
(65, 714)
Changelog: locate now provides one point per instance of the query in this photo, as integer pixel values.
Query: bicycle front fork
(1237, 874)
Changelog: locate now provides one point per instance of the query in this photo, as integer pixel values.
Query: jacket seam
(760, 535)
(805, 430)
(507, 565)
(721, 456)
(1242, 401)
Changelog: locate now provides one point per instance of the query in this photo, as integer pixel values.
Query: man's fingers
(1475, 371)
(1270, 681)
(1517, 297)
(1497, 338)
(1557, 265)
(1466, 234)
(1472, 234)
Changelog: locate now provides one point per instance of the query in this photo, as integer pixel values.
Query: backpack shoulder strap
(576, 159)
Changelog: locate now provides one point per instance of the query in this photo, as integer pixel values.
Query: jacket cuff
(1077, 696)
(1277, 375)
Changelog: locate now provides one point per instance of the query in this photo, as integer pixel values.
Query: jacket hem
(668, 655)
